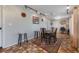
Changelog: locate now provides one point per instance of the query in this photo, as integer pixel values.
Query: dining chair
(42, 30)
(36, 34)
(47, 38)
(50, 36)
(55, 35)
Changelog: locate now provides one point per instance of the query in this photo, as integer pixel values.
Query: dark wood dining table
(48, 36)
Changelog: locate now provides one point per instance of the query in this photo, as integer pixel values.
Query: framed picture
(35, 19)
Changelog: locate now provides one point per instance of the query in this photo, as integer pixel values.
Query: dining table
(48, 36)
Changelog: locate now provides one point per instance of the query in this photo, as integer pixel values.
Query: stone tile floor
(66, 47)
(25, 48)
(30, 47)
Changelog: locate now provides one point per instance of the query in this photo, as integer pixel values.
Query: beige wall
(78, 28)
(74, 20)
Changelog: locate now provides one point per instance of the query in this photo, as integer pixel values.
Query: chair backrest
(43, 30)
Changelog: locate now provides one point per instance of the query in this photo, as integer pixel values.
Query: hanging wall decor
(35, 19)
(23, 14)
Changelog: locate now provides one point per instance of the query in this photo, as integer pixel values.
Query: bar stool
(19, 39)
(36, 34)
(25, 37)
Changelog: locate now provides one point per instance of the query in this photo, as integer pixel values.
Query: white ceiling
(51, 10)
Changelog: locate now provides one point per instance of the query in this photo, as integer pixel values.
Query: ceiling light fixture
(35, 10)
(68, 7)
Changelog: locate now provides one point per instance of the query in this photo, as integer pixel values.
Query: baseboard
(29, 39)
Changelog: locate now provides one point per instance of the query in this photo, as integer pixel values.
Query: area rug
(50, 48)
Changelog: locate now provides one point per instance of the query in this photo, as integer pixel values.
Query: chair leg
(19, 43)
(25, 37)
(49, 41)
(55, 39)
